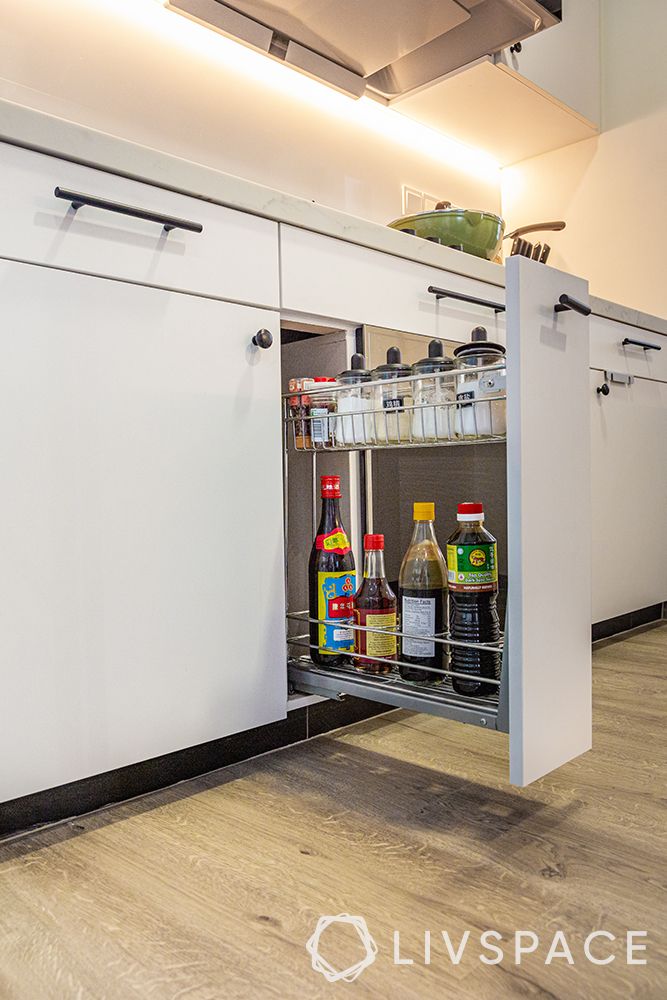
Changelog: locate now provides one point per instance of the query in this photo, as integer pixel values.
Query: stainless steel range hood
(388, 46)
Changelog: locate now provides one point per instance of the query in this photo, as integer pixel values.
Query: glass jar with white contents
(433, 417)
(354, 421)
(481, 403)
(393, 400)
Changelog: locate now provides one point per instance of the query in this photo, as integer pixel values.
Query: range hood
(387, 47)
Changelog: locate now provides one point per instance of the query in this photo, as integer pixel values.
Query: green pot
(478, 233)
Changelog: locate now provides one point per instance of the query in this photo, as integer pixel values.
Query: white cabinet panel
(322, 276)
(608, 352)
(141, 579)
(629, 474)
(549, 521)
(564, 60)
(234, 257)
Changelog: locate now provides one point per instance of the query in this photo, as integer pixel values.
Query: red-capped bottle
(375, 607)
(331, 583)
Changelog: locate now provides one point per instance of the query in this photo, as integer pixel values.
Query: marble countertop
(46, 133)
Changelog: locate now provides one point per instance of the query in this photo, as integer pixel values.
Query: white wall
(611, 190)
(131, 68)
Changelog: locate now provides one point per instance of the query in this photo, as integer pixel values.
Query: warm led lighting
(277, 76)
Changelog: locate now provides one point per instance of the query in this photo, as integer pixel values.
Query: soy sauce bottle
(472, 571)
(422, 595)
(331, 583)
(375, 607)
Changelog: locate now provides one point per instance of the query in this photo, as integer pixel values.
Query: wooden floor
(210, 890)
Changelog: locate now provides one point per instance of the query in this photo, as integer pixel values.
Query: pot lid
(394, 366)
(435, 362)
(478, 344)
(358, 372)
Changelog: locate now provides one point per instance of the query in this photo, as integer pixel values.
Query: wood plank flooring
(211, 889)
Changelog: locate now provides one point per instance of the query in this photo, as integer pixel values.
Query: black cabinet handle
(78, 200)
(263, 338)
(603, 390)
(641, 343)
(442, 293)
(565, 302)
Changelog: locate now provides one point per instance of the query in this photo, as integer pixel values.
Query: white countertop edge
(624, 314)
(25, 126)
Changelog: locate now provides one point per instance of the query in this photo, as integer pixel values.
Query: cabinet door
(141, 579)
(564, 60)
(629, 467)
(549, 521)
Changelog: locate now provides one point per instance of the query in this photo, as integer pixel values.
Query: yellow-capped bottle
(422, 600)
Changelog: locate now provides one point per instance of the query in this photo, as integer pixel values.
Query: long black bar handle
(566, 302)
(442, 293)
(641, 343)
(78, 200)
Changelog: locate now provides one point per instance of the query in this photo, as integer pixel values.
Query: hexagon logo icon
(368, 950)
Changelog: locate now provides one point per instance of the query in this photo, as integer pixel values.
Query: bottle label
(335, 541)
(418, 617)
(397, 403)
(376, 643)
(319, 424)
(473, 568)
(335, 602)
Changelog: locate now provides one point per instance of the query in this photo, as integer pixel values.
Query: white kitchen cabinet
(629, 486)
(517, 105)
(564, 61)
(235, 256)
(321, 276)
(141, 579)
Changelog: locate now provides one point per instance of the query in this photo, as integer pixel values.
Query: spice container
(322, 404)
(392, 396)
(355, 400)
(432, 418)
(477, 415)
(299, 409)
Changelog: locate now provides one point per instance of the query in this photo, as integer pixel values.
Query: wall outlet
(415, 201)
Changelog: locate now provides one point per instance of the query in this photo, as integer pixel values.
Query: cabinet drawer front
(326, 277)
(235, 256)
(629, 486)
(608, 352)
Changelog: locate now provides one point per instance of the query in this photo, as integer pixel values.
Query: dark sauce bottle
(331, 583)
(374, 607)
(422, 596)
(472, 564)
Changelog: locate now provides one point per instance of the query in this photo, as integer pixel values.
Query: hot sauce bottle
(375, 607)
(331, 583)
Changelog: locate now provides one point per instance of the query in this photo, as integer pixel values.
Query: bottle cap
(435, 362)
(358, 372)
(373, 542)
(394, 366)
(423, 512)
(470, 512)
(479, 345)
(330, 486)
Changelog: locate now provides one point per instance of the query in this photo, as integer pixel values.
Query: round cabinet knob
(517, 47)
(603, 390)
(263, 338)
